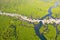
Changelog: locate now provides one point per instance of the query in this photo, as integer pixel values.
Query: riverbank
(50, 20)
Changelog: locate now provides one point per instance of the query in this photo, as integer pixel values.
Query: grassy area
(23, 33)
(26, 7)
(24, 30)
(36, 9)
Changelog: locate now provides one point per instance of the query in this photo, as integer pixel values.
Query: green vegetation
(25, 30)
(7, 32)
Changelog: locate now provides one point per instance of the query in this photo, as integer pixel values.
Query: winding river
(37, 28)
(39, 25)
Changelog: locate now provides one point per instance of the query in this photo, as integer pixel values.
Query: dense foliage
(14, 29)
